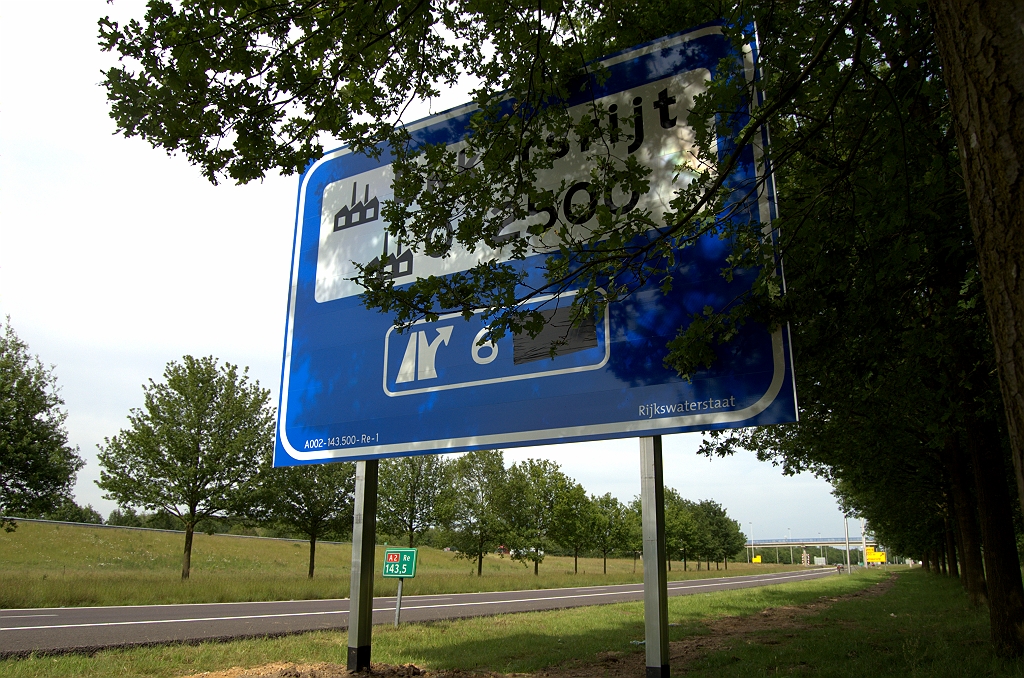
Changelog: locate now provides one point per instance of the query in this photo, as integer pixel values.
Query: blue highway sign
(355, 387)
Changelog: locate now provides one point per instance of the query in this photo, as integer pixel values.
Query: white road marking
(22, 616)
(404, 607)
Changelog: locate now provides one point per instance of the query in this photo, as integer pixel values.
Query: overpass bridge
(834, 542)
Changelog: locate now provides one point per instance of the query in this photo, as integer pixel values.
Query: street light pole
(864, 541)
(790, 531)
(751, 523)
(846, 527)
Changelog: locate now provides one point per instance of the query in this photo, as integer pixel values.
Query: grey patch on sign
(558, 333)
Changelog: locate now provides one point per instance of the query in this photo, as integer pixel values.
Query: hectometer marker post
(398, 602)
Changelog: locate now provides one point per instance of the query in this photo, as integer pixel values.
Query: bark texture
(982, 49)
(186, 558)
(999, 543)
(951, 555)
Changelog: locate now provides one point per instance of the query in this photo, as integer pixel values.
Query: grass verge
(44, 565)
(923, 626)
(508, 643)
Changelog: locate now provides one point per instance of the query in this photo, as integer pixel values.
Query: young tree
(37, 465)
(412, 491)
(192, 449)
(574, 524)
(633, 533)
(723, 534)
(534, 487)
(125, 517)
(69, 511)
(610, 525)
(684, 533)
(478, 510)
(315, 499)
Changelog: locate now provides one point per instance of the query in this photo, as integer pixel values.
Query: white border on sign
(513, 377)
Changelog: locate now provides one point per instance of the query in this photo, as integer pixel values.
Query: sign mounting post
(652, 507)
(364, 538)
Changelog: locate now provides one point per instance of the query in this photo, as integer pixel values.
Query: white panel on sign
(352, 231)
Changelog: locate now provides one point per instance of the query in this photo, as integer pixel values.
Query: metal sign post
(364, 533)
(652, 504)
(398, 602)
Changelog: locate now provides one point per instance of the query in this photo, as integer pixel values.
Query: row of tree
(200, 448)
(532, 508)
(189, 452)
(898, 379)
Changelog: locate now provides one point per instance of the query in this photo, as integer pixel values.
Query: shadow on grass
(514, 643)
(923, 626)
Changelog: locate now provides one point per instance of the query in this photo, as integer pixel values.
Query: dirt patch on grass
(326, 670)
(724, 630)
(718, 634)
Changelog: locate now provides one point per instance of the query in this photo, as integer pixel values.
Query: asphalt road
(82, 629)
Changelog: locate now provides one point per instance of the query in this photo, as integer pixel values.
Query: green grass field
(46, 565)
(922, 626)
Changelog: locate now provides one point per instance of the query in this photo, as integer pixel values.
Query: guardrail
(825, 541)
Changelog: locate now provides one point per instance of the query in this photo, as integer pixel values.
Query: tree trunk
(980, 44)
(575, 561)
(480, 557)
(961, 479)
(726, 560)
(312, 554)
(925, 562)
(186, 559)
(1002, 565)
(958, 543)
(536, 567)
(951, 564)
(669, 564)
(605, 562)
(942, 557)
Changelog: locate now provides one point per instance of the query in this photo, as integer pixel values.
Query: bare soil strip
(720, 632)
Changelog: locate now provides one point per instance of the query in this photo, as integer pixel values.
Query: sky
(116, 258)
